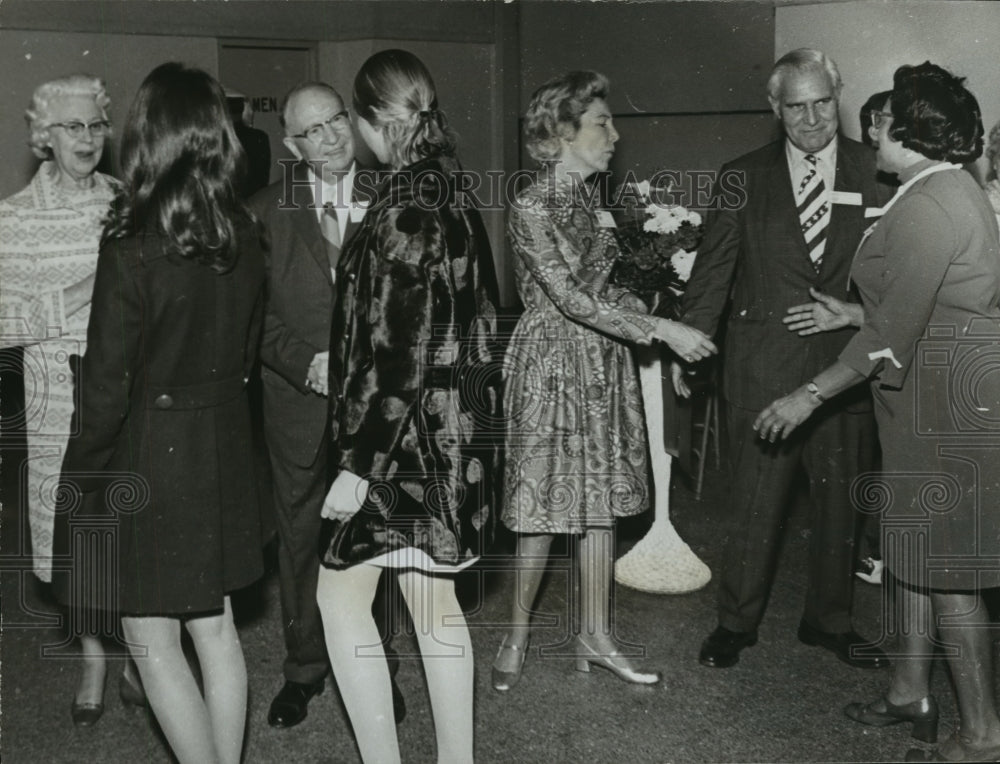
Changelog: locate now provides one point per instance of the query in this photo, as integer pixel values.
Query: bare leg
(345, 604)
(93, 671)
(529, 569)
(446, 650)
(172, 691)
(911, 675)
(224, 675)
(596, 553)
(972, 668)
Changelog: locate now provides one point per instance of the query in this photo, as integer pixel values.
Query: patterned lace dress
(48, 241)
(576, 437)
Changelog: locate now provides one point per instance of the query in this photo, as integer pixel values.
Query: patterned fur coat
(414, 378)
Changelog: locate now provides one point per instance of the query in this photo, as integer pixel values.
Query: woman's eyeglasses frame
(99, 128)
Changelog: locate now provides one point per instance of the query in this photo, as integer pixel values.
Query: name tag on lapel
(852, 198)
(605, 219)
(874, 212)
(357, 210)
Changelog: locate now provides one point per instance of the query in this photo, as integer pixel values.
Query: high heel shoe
(86, 714)
(922, 713)
(614, 662)
(505, 680)
(955, 748)
(132, 694)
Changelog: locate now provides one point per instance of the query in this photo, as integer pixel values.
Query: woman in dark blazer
(164, 441)
(412, 392)
(929, 277)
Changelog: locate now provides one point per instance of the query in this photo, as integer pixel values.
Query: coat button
(163, 402)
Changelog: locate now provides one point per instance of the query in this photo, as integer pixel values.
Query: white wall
(869, 39)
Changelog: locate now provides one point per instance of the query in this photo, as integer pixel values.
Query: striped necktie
(330, 227)
(814, 211)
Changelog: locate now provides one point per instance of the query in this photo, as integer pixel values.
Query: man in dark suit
(308, 215)
(794, 224)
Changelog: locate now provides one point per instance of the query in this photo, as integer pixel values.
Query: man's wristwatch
(814, 392)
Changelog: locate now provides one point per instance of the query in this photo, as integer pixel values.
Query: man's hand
(319, 370)
(779, 419)
(345, 497)
(824, 315)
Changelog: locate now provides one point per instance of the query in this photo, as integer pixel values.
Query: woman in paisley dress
(411, 385)
(49, 236)
(576, 442)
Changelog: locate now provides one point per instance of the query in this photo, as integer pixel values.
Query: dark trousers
(298, 498)
(831, 449)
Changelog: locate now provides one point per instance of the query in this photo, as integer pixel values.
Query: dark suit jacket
(300, 297)
(753, 265)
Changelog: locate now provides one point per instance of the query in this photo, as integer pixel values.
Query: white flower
(663, 220)
(682, 263)
(643, 188)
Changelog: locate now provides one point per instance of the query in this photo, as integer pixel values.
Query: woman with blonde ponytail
(412, 390)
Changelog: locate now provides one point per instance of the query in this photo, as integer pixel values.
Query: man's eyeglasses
(97, 129)
(879, 118)
(339, 122)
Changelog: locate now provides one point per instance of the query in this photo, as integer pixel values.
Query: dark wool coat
(414, 379)
(161, 447)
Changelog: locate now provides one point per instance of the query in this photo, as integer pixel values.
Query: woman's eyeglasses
(338, 123)
(97, 129)
(879, 118)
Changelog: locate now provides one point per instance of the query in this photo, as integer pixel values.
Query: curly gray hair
(39, 113)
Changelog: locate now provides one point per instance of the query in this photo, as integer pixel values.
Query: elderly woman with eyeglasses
(49, 235)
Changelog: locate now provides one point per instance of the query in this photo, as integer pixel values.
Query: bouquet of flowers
(658, 244)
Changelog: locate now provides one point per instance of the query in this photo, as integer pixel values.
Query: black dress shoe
(398, 703)
(847, 646)
(289, 706)
(722, 647)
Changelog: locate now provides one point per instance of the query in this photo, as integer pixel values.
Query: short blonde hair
(39, 113)
(555, 110)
